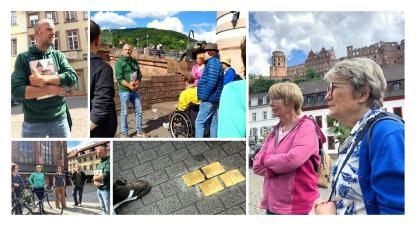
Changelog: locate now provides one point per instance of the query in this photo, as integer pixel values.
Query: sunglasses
(332, 86)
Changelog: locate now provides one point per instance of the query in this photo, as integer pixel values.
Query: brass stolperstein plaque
(193, 177)
(232, 177)
(213, 169)
(211, 186)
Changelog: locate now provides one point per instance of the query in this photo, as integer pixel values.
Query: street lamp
(147, 37)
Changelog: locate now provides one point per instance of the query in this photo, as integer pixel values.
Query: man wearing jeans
(209, 91)
(38, 79)
(78, 180)
(128, 78)
(102, 179)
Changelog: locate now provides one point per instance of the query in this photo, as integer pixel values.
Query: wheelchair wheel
(180, 125)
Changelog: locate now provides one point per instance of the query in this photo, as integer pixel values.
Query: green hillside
(137, 37)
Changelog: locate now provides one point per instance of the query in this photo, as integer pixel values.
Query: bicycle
(48, 209)
(19, 207)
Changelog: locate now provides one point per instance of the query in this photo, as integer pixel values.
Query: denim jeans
(207, 112)
(104, 197)
(78, 189)
(134, 98)
(59, 128)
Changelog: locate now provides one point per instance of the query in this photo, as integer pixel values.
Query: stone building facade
(383, 53)
(278, 69)
(49, 154)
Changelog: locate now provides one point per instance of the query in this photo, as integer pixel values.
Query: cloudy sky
(296, 33)
(202, 23)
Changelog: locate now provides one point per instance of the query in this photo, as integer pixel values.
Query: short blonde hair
(290, 94)
(200, 56)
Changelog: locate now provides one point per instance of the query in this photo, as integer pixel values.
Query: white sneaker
(166, 125)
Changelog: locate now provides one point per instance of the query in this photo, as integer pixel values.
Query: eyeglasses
(332, 86)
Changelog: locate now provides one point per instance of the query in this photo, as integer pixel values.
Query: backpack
(323, 169)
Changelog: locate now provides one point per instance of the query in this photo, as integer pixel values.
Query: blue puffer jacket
(212, 81)
(381, 171)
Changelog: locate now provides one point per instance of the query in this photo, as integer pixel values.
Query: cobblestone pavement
(78, 108)
(152, 121)
(90, 203)
(163, 164)
(256, 193)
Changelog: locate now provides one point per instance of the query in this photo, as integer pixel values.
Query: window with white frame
(73, 41)
(253, 101)
(56, 42)
(254, 116)
(33, 20)
(70, 16)
(14, 47)
(265, 100)
(52, 15)
(264, 115)
(13, 18)
(32, 40)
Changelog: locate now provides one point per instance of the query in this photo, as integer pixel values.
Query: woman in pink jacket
(285, 159)
(198, 68)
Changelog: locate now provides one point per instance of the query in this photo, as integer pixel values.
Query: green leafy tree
(340, 131)
(311, 73)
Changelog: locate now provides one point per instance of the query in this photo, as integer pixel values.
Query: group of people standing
(368, 177)
(78, 179)
(205, 86)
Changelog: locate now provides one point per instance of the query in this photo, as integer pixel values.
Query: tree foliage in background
(338, 130)
(138, 37)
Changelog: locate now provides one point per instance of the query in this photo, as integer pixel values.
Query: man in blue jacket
(209, 92)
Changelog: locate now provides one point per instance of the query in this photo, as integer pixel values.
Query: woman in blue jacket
(369, 175)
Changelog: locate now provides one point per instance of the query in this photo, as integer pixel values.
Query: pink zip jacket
(290, 181)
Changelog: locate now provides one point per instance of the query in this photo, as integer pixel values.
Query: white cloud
(151, 14)
(286, 31)
(201, 25)
(110, 18)
(208, 36)
(169, 23)
(122, 28)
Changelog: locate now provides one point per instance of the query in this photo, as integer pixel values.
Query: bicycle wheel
(23, 210)
(26, 210)
(50, 208)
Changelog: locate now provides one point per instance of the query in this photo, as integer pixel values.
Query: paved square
(165, 163)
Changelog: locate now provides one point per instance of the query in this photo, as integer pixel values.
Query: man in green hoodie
(102, 180)
(128, 78)
(38, 79)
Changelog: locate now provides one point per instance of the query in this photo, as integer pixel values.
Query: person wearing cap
(209, 92)
(229, 72)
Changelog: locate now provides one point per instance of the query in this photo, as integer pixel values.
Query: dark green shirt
(104, 166)
(48, 109)
(124, 68)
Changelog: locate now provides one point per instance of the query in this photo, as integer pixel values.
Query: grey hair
(37, 25)
(361, 72)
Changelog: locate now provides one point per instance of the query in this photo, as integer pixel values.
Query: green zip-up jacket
(124, 67)
(37, 180)
(48, 109)
(104, 166)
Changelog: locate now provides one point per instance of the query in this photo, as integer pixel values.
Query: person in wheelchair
(182, 120)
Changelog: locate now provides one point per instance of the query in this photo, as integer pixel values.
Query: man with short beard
(44, 107)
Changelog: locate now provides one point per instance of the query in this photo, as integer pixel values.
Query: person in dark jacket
(78, 180)
(209, 91)
(103, 115)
